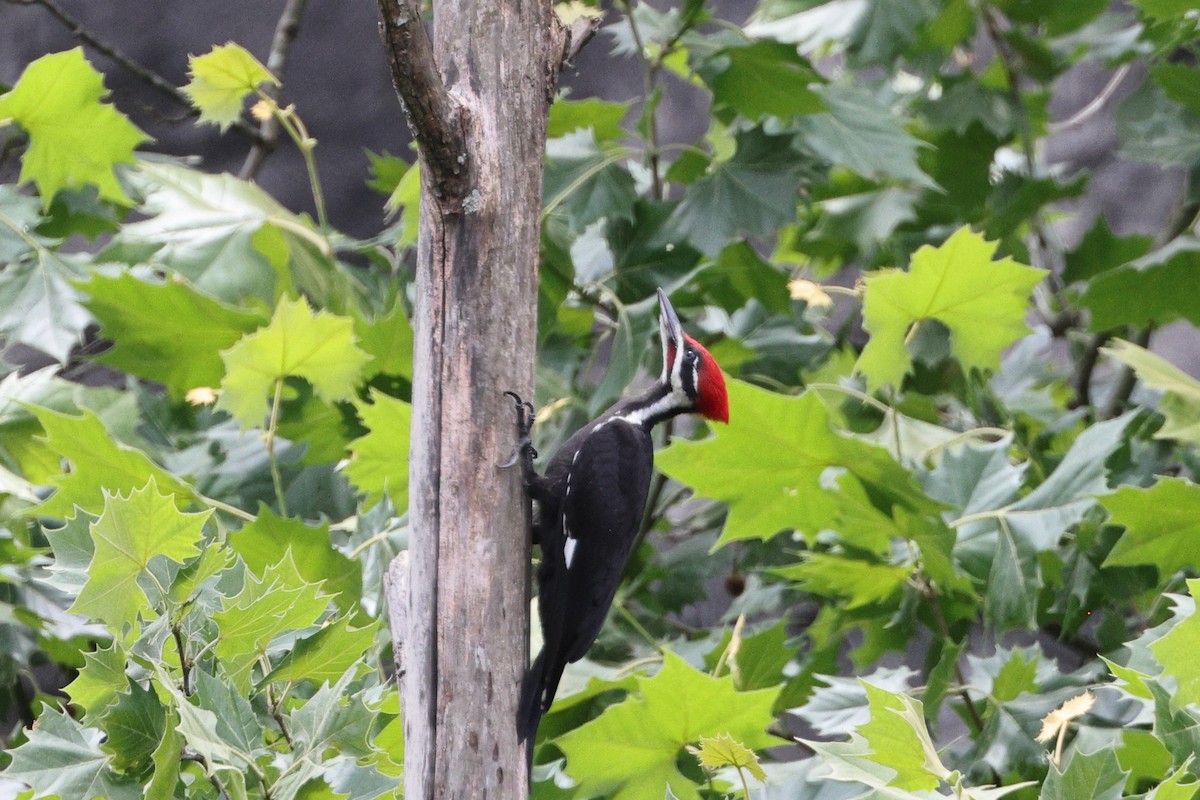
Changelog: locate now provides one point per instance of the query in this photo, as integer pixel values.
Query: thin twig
(1126, 380)
(184, 663)
(281, 47)
(1097, 104)
(927, 591)
(649, 81)
(272, 461)
(111, 51)
(1083, 375)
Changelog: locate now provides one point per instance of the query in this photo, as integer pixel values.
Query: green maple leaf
(167, 332)
(220, 81)
(279, 601)
(379, 461)
(630, 751)
(860, 583)
(38, 305)
(1180, 402)
(767, 465)
(981, 301)
(74, 139)
(317, 346)
(268, 539)
(63, 759)
(132, 531)
(102, 677)
(1176, 651)
(1161, 525)
(228, 237)
(327, 654)
(388, 339)
(716, 752)
(899, 740)
(1097, 776)
(99, 465)
(765, 78)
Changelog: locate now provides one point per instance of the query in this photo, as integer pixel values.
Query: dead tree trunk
(477, 94)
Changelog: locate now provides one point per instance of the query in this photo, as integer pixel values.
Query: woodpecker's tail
(537, 693)
(529, 713)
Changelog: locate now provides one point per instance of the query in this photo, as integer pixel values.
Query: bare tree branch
(286, 30)
(435, 118)
(111, 51)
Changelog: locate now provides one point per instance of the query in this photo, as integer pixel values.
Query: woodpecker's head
(688, 368)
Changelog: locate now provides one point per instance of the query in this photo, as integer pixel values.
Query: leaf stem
(369, 543)
(272, 427)
(223, 506)
(742, 775)
(295, 128)
(637, 626)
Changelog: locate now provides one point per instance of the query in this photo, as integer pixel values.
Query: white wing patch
(569, 550)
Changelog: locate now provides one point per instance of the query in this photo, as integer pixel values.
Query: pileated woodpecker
(591, 500)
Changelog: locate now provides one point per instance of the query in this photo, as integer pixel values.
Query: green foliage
(922, 467)
(75, 139)
(220, 81)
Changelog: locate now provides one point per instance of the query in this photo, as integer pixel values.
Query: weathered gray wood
(465, 644)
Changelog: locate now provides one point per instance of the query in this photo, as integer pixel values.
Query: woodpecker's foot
(524, 451)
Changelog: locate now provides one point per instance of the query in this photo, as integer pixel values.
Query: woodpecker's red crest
(691, 370)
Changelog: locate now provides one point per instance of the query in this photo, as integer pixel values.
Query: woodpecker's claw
(524, 448)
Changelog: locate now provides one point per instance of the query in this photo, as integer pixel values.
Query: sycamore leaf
(765, 78)
(132, 531)
(768, 465)
(981, 301)
(629, 752)
(900, 741)
(753, 192)
(38, 305)
(388, 339)
(859, 133)
(1176, 651)
(268, 539)
(135, 726)
(1096, 776)
(279, 601)
(63, 759)
(167, 332)
(1146, 291)
(317, 346)
(602, 117)
(228, 237)
(859, 583)
(1180, 402)
(327, 654)
(96, 686)
(99, 465)
(1161, 525)
(716, 752)
(379, 460)
(220, 81)
(167, 758)
(74, 139)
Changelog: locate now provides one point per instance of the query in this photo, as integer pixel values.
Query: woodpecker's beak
(671, 331)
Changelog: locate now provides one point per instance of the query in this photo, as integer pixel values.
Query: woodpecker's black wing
(585, 550)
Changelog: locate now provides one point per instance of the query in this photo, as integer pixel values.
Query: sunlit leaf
(981, 301)
(299, 342)
(75, 138)
(220, 81)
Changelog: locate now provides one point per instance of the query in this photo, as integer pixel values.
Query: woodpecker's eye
(690, 355)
